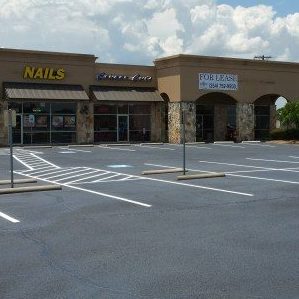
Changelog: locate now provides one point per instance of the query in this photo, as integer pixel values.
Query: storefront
(223, 98)
(46, 114)
(64, 98)
(124, 114)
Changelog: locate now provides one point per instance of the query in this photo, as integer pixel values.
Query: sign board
(43, 73)
(121, 77)
(13, 118)
(211, 81)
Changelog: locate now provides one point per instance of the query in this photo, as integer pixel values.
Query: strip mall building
(63, 98)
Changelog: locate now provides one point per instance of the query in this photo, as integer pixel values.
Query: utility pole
(262, 57)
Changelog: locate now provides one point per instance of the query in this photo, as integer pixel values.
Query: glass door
(122, 128)
(17, 132)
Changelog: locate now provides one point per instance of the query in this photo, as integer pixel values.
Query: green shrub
(290, 134)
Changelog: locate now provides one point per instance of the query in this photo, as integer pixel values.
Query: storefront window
(140, 108)
(109, 122)
(262, 122)
(36, 107)
(122, 108)
(204, 122)
(44, 122)
(63, 108)
(140, 122)
(105, 109)
(15, 106)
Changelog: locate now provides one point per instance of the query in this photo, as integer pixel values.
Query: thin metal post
(11, 147)
(184, 143)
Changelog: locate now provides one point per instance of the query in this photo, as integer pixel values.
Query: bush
(290, 134)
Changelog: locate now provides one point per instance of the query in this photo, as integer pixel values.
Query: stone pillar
(175, 122)
(156, 121)
(245, 121)
(220, 122)
(3, 129)
(85, 122)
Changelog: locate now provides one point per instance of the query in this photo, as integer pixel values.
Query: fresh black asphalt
(231, 237)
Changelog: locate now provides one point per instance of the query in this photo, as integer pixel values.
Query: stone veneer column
(85, 122)
(220, 122)
(156, 121)
(175, 122)
(245, 121)
(3, 129)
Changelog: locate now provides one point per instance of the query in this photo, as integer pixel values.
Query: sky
(139, 31)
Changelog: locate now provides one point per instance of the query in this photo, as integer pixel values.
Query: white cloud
(164, 24)
(130, 31)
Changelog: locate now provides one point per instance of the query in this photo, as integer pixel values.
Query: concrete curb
(160, 171)
(30, 189)
(81, 145)
(116, 144)
(191, 143)
(18, 181)
(201, 176)
(223, 142)
(152, 143)
(36, 146)
(252, 141)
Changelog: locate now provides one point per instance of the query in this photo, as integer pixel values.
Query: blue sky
(139, 31)
(282, 7)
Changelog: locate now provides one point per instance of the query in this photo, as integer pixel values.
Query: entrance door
(199, 127)
(122, 128)
(17, 132)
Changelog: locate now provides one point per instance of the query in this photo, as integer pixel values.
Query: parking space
(153, 230)
(115, 171)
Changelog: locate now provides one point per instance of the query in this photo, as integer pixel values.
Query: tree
(289, 115)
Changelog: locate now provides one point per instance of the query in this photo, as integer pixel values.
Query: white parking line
(200, 187)
(9, 218)
(192, 146)
(263, 179)
(258, 144)
(195, 186)
(77, 175)
(75, 150)
(116, 148)
(277, 161)
(25, 164)
(243, 176)
(106, 178)
(93, 192)
(89, 177)
(294, 157)
(249, 166)
(227, 145)
(156, 147)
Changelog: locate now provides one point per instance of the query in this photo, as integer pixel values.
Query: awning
(126, 94)
(36, 91)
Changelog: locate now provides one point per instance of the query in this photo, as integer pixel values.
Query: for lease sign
(218, 81)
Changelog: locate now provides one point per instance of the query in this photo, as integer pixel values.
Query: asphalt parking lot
(115, 233)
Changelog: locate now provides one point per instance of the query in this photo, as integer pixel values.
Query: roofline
(38, 52)
(221, 59)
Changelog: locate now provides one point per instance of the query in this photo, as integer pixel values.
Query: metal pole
(11, 147)
(184, 144)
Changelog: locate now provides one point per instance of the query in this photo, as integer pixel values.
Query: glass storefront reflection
(44, 123)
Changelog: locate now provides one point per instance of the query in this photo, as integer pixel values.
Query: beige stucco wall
(178, 77)
(79, 70)
(256, 78)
